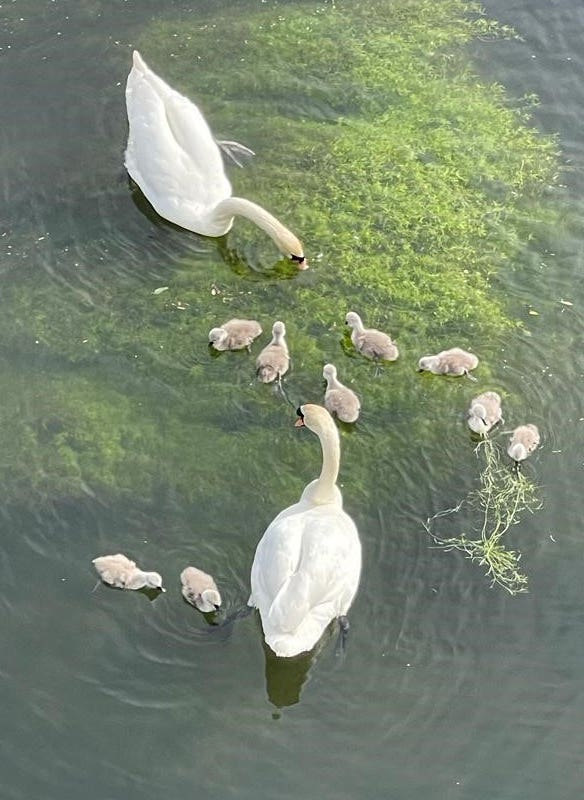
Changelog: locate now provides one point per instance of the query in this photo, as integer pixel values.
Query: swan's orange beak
(299, 423)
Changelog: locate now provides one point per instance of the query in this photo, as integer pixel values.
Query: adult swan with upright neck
(175, 160)
(306, 568)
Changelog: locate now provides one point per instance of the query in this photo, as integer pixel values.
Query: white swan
(307, 564)
(199, 589)
(174, 158)
(120, 571)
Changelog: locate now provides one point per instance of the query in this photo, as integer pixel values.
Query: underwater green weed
(503, 494)
(412, 181)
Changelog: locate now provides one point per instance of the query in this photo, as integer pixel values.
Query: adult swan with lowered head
(175, 160)
(306, 568)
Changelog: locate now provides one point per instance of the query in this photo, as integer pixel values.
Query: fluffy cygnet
(338, 398)
(199, 589)
(449, 362)
(274, 359)
(235, 334)
(524, 440)
(484, 412)
(119, 571)
(369, 341)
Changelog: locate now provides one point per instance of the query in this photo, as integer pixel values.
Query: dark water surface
(449, 689)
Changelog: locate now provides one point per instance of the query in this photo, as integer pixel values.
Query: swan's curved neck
(232, 206)
(324, 488)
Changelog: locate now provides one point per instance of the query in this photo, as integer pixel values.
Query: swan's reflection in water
(285, 677)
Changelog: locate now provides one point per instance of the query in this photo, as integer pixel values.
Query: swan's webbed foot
(235, 151)
(378, 368)
(341, 647)
(279, 387)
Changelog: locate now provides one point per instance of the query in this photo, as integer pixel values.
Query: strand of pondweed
(502, 495)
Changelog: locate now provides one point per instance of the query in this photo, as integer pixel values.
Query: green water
(428, 201)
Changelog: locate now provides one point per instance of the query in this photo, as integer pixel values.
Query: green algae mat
(411, 181)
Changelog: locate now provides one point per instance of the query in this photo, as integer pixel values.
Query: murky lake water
(449, 689)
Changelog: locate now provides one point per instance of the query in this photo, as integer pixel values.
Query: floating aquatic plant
(502, 496)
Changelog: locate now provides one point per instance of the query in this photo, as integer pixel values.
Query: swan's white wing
(305, 573)
(328, 568)
(172, 155)
(276, 557)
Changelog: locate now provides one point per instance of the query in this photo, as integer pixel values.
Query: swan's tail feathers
(138, 61)
(235, 151)
(305, 636)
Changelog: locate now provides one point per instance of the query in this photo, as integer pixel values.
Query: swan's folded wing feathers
(312, 579)
(280, 548)
(159, 166)
(192, 134)
(171, 153)
(291, 605)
